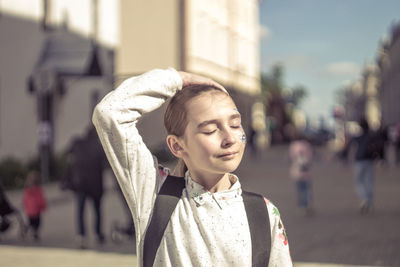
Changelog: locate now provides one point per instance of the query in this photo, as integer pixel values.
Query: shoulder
(280, 253)
(277, 227)
(272, 209)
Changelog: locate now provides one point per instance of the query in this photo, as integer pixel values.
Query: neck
(213, 183)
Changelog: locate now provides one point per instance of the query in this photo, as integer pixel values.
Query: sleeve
(115, 119)
(280, 253)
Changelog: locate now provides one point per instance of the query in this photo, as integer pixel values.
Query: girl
(34, 202)
(208, 226)
(301, 156)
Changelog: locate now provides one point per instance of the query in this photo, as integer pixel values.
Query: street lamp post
(44, 81)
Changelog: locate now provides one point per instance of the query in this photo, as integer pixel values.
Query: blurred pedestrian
(381, 139)
(301, 156)
(396, 142)
(367, 150)
(251, 141)
(34, 202)
(85, 177)
(201, 217)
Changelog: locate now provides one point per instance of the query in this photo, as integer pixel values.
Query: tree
(276, 101)
(271, 88)
(272, 83)
(298, 94)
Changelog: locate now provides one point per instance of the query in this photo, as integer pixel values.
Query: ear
(174, 145)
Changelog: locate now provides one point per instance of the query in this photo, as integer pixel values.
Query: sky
(323, 44)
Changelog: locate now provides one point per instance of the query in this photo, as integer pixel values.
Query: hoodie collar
(201, 196)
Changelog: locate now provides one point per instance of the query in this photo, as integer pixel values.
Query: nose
(229, 138)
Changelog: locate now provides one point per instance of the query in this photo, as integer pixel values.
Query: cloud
(299, 62)
(343, 68)
(264, 32)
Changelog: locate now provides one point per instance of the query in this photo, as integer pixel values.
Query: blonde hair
(175, 117)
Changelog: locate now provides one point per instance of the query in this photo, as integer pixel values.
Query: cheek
(209, 146)
(202, 146)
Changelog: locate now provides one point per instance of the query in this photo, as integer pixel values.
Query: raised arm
(115, 119)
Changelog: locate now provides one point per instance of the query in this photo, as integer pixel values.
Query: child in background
(34, 202)
(301, 154)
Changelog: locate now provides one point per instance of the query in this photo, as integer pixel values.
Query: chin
(228, 167)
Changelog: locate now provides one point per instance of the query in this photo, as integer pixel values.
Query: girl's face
(214, 140)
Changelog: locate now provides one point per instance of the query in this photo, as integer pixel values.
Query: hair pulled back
(175, 117)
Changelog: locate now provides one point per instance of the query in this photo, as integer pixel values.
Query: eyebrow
(205, 123)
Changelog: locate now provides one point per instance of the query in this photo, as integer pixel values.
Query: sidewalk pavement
(49, 257)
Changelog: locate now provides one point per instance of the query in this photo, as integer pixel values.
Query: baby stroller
(9, 216)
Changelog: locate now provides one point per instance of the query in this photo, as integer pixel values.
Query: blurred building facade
(361, 99)
(215, 38)
(371, 97)
(375, 96)
(354, 101)
(388, 60)
(53, 69)
(73, 52)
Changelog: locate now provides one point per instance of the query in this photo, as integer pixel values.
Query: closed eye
(210, 132)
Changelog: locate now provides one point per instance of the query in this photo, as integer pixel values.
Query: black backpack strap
(164, 206)
(260, 230)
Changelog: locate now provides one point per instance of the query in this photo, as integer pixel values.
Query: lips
(228, 155)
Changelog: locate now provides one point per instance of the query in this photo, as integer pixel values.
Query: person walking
(87, 162)
(365, 154)
(34, 203)
(301, 156)
(396, 143)
(200, 216)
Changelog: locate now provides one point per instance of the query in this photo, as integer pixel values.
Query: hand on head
(189, 79)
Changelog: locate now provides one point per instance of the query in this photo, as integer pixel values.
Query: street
(336, 234)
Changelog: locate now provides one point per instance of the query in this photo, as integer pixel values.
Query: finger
(194, 79)
(220, 87)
